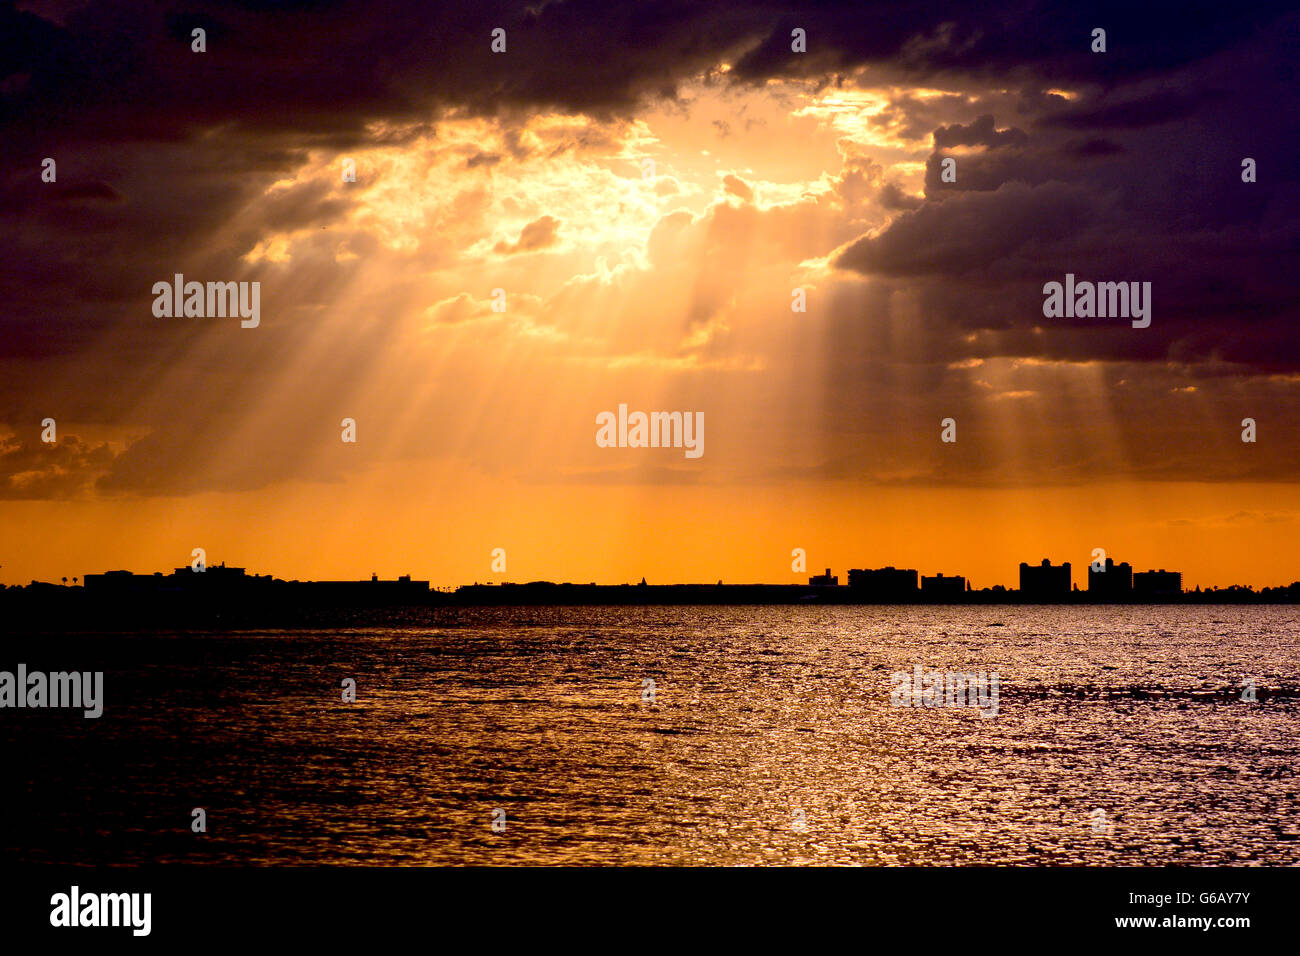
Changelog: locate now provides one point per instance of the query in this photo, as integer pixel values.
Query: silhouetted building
(218, 583)
(1112, 581)
(1157, 583)
(214, 577)
(1045, 580)
(824, 580)
(888, 582)
(121, 583)
(943, 587)
(362, 593)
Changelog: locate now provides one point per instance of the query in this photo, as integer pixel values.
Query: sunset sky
(665, 287)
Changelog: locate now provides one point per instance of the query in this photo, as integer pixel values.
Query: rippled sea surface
(1121, 738)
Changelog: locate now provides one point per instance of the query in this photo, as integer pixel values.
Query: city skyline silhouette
(1107, 582)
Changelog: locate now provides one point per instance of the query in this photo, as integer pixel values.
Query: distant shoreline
(786, 594)
(266, 602)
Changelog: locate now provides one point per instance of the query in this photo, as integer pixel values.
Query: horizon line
(809, 581)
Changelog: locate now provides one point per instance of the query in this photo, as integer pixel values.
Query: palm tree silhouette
(65, 580)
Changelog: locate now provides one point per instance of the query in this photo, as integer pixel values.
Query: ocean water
(768, 737)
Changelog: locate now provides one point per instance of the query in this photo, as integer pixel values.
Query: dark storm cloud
(1157, 196)
(1131, 112)
(115, 70)
(912, 118)
(1042, 41)
(328, 69)
(974, 231)
(982, 132)
(893, 198)
(30, 468)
